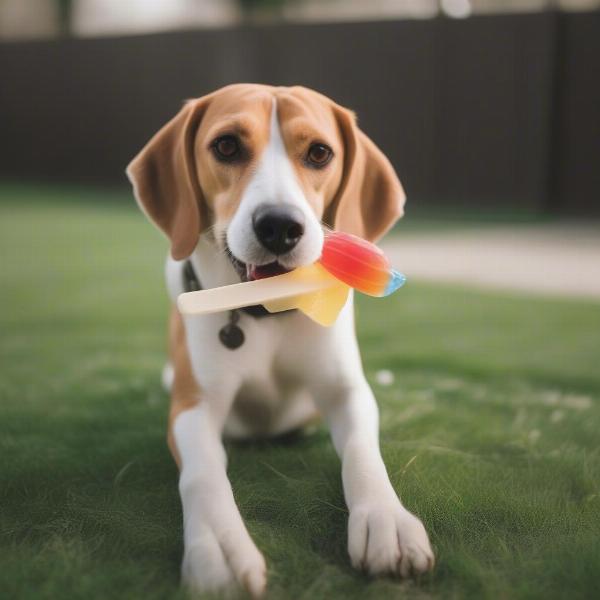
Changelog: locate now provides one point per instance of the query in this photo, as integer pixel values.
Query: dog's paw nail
(389, 540)
(255, 583)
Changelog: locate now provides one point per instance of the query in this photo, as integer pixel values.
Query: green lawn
(491, 430)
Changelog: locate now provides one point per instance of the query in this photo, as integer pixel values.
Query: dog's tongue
(263, 271)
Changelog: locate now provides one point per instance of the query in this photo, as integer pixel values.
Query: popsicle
(359, 264)
(319, 290)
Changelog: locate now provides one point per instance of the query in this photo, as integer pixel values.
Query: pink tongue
(264, 271)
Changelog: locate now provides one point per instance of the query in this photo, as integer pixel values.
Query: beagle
(243, 181)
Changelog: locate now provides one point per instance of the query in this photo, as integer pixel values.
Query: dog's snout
(278, 228)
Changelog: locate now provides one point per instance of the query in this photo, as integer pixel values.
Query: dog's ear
(370, 198)
(165, 180)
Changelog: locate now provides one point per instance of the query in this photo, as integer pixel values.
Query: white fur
(274, 183)
(287, 368)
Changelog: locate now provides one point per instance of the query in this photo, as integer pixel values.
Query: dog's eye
(226, 148)
(318, 155)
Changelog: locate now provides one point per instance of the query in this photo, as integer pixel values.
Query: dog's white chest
(274, 375)
(267, 370)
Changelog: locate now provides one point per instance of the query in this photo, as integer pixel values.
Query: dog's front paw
(385, 538)
(223, 564)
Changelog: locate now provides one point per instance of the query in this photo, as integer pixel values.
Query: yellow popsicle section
(322, 306)
(310, 289)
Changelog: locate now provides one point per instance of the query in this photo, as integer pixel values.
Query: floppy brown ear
(165, 182)
(370, 198)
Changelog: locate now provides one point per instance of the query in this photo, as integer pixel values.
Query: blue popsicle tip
(396, 281)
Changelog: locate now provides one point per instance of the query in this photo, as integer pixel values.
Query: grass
(490, 430)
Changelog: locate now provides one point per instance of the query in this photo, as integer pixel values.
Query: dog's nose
(278, 228)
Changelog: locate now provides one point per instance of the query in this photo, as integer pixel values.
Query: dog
(243, 182)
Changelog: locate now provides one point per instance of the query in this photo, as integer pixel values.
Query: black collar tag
(231, 335)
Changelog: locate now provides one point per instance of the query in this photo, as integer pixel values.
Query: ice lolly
(359, 264)
(319, 290)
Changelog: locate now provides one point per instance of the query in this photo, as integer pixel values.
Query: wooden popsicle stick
(300, 281)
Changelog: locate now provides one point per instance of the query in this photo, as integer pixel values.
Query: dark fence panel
(79, 109)
(464, 109)
(576, 167)
(495, 78)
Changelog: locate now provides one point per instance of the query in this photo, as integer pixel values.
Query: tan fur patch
(185, 393)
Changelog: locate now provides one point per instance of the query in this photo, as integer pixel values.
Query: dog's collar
(191, 283)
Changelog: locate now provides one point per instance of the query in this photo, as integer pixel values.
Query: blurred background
(483, 104)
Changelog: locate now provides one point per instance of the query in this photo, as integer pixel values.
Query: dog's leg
(383, 536)
(218, 551)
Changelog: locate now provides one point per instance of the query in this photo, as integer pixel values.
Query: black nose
(278, 228)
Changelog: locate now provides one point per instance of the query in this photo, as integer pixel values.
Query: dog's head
(264, 168)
